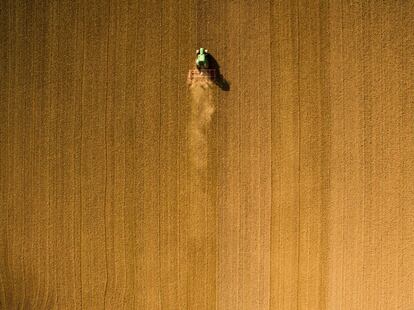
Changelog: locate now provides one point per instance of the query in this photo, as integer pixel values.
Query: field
(290, 185)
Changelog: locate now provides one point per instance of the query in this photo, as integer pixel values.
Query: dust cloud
(202, 108)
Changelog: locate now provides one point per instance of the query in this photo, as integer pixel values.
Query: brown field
(123, 188)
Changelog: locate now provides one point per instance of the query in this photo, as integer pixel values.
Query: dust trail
(202, 108)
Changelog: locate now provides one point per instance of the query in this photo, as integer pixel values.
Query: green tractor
(203, 69)
(201, 61)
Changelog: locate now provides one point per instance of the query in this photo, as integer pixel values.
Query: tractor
(202, 70)
(201, 61)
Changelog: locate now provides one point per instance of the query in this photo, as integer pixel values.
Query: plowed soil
(287, 184)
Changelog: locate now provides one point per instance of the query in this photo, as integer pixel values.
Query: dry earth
(121, 188)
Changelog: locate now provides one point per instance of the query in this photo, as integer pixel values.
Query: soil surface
(285, 183)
